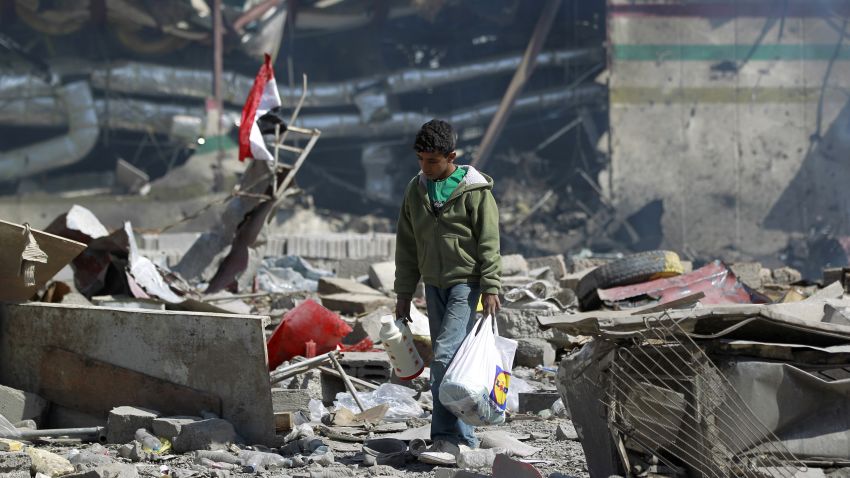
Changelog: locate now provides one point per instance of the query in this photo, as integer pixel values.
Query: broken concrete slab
(17, 405)
(354, 304)
(336, 285)
(59, 251)
(124, 421)
(15, 465)
(218, 354)
(189, 434)
(290, 400)
(94, 386)
(505, 467)
(532, 352)
(382, 276)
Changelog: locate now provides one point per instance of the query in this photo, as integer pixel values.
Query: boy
(448, 234)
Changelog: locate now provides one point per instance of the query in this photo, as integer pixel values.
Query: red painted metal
(715, 280)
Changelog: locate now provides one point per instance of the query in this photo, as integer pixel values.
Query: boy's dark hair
(435, 136)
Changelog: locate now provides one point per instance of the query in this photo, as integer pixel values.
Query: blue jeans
(451, 315)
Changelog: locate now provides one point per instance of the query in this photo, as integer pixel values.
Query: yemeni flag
(263, 97)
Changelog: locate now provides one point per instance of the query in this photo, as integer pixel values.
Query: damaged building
(198, 205)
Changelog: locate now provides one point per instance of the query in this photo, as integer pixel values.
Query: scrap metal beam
(521, 76)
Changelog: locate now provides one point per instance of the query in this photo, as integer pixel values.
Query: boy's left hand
(491, 304)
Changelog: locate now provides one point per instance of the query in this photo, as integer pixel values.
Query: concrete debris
(355, 304)
(566, 431)
(124, 421)
(382, 276)
(190, 433)
(17, 405)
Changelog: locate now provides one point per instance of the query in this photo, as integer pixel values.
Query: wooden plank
(60, 252)
(95, 387)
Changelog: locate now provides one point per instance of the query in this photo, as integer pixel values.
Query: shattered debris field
(424, 238)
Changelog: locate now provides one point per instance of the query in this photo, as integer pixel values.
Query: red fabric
(365, 345)
(249, 111)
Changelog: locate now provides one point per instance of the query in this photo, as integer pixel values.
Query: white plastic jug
(396, 336)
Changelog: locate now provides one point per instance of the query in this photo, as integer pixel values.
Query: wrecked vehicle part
(715, 280)
(815, 428)
(83, 131)
(668, 399)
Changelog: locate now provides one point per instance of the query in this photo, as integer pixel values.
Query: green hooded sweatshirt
(457, 246)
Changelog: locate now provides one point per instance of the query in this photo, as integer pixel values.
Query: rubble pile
(283, 371)
(318, 340)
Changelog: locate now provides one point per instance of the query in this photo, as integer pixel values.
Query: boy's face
(437, 165)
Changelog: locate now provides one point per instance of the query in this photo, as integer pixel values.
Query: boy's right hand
(402, 309)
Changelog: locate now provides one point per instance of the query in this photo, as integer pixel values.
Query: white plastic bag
(475, 387)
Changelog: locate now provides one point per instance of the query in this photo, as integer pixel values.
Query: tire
(632, 269)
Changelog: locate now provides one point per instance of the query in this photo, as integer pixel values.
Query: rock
(786, 276)
(748, 273)
(566, 431)
(518, 323)
(15, 465)
(288, 400)
(49, 463)
(133, 451)
(123, 422)
(188, 434)
(555, 263)
(114, 470)
(17, 405)
(170, 427)
(532, 352)
(335, 285)
(382, 276)
(355, 304)
(514, 265)
(477, 459)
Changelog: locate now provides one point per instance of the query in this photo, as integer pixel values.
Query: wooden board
(60, 252)
(95, 387)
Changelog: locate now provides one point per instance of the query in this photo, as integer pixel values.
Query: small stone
(545, 414)
(566, 431)
(188, 435)
(786, 276)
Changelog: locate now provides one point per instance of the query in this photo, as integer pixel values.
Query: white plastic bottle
(405, 359)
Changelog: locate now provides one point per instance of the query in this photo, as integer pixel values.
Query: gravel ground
(564, 458)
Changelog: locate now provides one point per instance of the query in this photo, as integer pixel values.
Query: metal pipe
(280, 374)
(146, 116)
(158, 80)
(26, 434)
(348, 384)
(83, 131)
